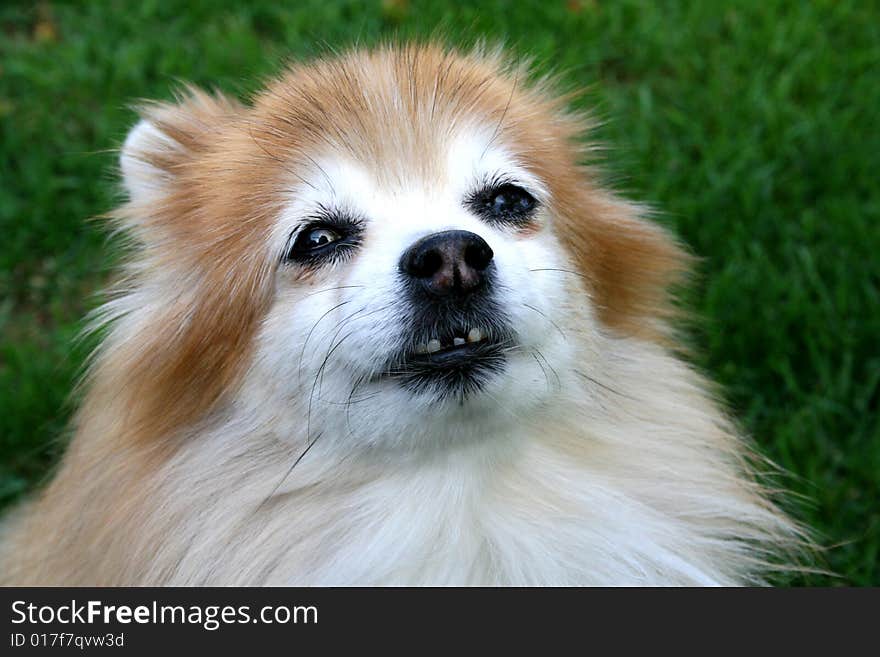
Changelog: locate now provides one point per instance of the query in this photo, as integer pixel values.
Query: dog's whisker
(311, 331)
(331, 289)
(296, 462)
(544, 315)
(604, 386)
(564, 271)
(538, 354)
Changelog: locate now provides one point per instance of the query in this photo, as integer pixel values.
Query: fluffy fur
(234, 432)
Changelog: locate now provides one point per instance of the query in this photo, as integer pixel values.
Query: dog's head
(383, 238)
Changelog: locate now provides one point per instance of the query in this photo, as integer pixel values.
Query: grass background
(754, 126)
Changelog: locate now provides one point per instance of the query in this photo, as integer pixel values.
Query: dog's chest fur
(634, 489)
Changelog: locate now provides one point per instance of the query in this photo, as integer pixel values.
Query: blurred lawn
(754, 126)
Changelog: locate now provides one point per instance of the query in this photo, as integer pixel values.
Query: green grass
(752, 125)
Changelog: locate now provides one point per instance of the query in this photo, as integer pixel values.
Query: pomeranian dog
(383, 327)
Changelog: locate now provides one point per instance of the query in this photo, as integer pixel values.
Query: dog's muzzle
(457, 334)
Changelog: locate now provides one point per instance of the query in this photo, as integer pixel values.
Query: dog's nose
(448, 263)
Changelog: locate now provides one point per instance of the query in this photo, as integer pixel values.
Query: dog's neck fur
(642, 483)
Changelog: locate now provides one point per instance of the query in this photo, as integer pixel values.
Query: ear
(187, 345)
(168, 136)
(144, 147)
(630, 262)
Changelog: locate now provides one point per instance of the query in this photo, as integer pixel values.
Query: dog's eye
(323, 240)
(505, 203)
(315, 238)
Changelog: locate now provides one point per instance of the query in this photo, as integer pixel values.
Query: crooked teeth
(433, 346)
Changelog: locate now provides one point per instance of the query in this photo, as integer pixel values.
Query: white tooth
(433, 345)
(475, 335)
(421, 349)
(458, 341)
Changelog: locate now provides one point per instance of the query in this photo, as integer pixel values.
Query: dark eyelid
(328, 216)
(478, 201)
(338, 220)
(347, 225)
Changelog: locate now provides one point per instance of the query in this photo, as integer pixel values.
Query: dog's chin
(452, 366)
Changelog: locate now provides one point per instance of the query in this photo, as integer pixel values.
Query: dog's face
(384, 243)
(406, 293)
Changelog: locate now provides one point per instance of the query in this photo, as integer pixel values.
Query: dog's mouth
(449, 349)
(454, 362)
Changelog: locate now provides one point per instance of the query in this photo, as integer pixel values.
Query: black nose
(451, 262)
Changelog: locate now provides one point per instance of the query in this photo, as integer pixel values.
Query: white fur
(142, 180)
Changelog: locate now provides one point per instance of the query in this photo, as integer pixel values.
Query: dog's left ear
(189, 218)
(167, 138)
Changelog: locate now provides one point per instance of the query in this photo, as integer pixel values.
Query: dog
(383, 326)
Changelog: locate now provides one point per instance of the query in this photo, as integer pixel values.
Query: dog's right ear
(168, 137)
